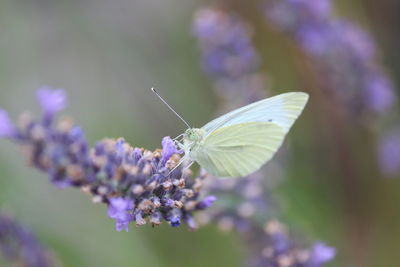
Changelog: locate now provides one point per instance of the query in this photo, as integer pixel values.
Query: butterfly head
(194, 135)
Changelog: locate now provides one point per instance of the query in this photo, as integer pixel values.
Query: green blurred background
(106, 55)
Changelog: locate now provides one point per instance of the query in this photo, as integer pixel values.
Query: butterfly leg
(182, 160)
(186, 167)
(176, 138)
(179, 145)
(177, 165)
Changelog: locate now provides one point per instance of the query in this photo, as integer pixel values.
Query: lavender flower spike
(228, 56)
(20, 247)
(389, 153)
(344, 54)
(136, 184)
(7, 128)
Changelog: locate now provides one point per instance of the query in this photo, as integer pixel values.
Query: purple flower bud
(356, 39)
(175, 220)
(122, 225)
(281, 242)
(379, 93)
(7, 128)
(99, 149)
(317, 9)
(314, 39)
(51, 101)
(207, 202)
(136, 154)
(321, 254)
(156, 218)
(118, 210)
(290, 14)
(119, 149)
(169, 148)
(191, 222)
(168, 202)
(389, 153)
(76, 133)
(204, 26)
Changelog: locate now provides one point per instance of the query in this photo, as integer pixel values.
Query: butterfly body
(241, 141)
(192, 140)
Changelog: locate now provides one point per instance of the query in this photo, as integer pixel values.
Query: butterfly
(243, 140)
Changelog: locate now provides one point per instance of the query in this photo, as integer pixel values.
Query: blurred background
(107, 54)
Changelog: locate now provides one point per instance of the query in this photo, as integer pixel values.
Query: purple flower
(169, 148)
(312, 9)
(7, 128)
(231, 61)
(137, 184)
(290, 14)
(389, 153)
(356, 39)
(136, 154)
(320, 8)
(228, 55)
(51, 101)
(379, 93)
(204, 25)
(344, 54)
(174, 219)
(321, 254)
(206, 202)
(314, 39)
(20, 247)
(225, 43)
(120, 210)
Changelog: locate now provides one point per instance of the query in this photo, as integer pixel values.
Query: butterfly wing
(239, 149)
(282, 110)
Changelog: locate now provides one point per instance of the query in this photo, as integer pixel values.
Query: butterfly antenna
(165, 102)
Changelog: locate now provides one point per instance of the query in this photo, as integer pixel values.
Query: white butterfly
(241, 141)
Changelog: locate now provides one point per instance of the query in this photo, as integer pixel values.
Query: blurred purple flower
(228, 56)
(321, 7)
(231, 61)
(318, 9)
(51, 101)
(356, 39)
(175, 220)
(389, 153)
(245, 206)
(20, 247)
(206, 202)
(225, 43)
(291, 14)
(120, 210)
(379, 93)
(7, 128)
(321, 254)
(314, 39)
(344, 54)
